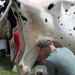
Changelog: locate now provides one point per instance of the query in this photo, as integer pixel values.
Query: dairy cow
(53, 19)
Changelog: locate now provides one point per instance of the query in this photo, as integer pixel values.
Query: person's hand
(42, 62)
(42, 54)
(39, 72)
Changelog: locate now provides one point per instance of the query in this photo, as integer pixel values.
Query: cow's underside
(43, 23)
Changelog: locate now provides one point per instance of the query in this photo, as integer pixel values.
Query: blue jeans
(3, 52)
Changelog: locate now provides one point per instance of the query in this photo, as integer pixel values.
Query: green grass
(5, 66)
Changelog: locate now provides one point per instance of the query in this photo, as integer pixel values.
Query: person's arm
(50, 67)
(12, 43)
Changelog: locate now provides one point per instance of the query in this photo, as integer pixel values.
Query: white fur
(36, 27)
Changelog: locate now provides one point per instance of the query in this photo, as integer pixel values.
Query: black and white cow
(45, 18)
(8, 20)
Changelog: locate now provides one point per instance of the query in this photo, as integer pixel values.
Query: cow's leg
(27, 62)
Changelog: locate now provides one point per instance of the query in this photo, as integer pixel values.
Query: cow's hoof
(26, 70)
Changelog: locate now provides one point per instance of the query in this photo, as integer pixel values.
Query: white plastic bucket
(41, 67)
(3, 44)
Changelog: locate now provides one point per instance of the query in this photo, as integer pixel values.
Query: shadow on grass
(5, 63)
(5, 66)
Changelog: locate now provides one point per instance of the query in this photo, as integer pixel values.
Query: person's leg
(3, 52)
(8, 47)
(12, 63)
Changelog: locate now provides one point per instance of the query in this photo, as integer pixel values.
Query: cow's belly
(63, 15)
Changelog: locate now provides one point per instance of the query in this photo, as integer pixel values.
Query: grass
(5, 66)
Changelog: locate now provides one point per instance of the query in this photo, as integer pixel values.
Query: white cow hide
(45, 18)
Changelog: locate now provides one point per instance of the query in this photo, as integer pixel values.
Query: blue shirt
(61, 62)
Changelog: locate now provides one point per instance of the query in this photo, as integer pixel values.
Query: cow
(53, 19)
(8, 21)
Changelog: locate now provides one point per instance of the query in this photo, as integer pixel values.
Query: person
(16, 43)
(3, 46)
(16, 40)
(59, 61)
(3, 52)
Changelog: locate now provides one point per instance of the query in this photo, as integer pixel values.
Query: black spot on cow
(65, 13)
(68, 14)
(20, 13)
(73, 28)
(70, 30)
(69, 44)
(70, 20)
(61, 24)
(6, 4)
(18, 3)
(58, 17)
(61, 38)
(24, 23)
(70, 34)
(74, 12)
(15, 0)
(72, 4)
(46, 20)
(16, 14)
(3, 8)
(50, 6)
(11, 19)
(24, 18)
(66, 10)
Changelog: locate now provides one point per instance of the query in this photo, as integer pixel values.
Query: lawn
(5, 66)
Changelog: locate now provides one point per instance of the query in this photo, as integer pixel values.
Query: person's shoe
(14, 69)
